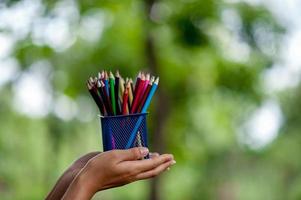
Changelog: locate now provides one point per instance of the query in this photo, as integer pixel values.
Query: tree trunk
(161, 109)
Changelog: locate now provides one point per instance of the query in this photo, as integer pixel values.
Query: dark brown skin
(99, 171)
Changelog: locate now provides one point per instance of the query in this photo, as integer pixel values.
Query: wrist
(86, 180)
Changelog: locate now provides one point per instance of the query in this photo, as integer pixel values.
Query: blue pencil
(144, 109)
(150, 96)
(106, 82)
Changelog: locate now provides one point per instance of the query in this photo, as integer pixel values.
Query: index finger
(148, 164)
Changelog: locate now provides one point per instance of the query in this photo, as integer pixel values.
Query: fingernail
(168, 169)
(144, 151)
(173, 162)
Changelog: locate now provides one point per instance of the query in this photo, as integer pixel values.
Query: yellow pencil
(121, 90)
(131, 95)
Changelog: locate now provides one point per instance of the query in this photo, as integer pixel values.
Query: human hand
(116, 168)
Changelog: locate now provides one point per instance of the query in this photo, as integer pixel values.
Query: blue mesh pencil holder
(124, 131)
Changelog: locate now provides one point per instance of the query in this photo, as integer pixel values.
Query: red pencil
(147, 79)
(144, 86)
(145, 95)
(138, 94)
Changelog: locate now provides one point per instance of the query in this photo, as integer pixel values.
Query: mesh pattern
(117, 131)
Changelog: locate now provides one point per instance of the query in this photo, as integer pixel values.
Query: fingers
(154, 154)
(131, 154)
(148, 164)
(156, 171)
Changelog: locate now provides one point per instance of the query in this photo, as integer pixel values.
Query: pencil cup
(124, 131)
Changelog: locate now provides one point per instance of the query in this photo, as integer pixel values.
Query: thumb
(133, 153)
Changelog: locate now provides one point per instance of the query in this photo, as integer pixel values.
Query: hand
(116, 168)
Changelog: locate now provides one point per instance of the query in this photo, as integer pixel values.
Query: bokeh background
(228, 105)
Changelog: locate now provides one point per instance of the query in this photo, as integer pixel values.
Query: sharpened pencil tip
(89, 85)
(152, 80)
(111, 75)
(102, 84)
(147, 77)
(117, 74)
(98, 83)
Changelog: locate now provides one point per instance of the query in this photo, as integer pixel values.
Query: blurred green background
(228, 105)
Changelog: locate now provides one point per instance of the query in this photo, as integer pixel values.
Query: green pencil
(112, 89)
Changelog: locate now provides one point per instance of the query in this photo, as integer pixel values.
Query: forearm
(79, 189)
(68, 176)
(62, 185)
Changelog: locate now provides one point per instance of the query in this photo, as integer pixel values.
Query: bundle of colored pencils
(116, 96)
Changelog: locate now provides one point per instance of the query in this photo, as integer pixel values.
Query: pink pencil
(147, 79)
(138, 94)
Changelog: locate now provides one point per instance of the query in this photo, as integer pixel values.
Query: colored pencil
(132, 87)
(112, 92)
(106, 82)
(138, 94)
(131, 95)
(103, 97)
(146, 93)
(99, 76)
(91, 81)
(100, 94)
(138, 79)
(107, 98)
(125, 108)
(147, 79)
(121, 89)
(116, 89)
(115, 96)
(96, 98)
(150, 95)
